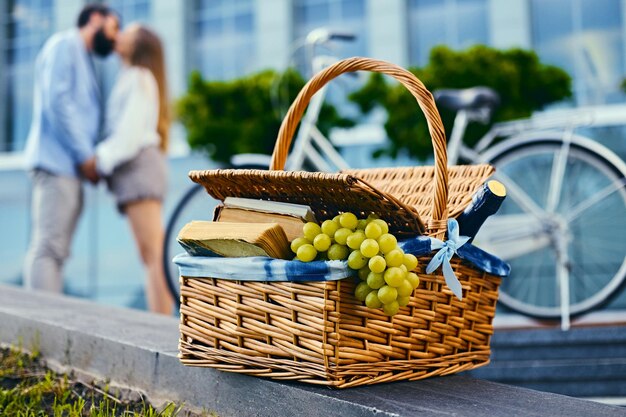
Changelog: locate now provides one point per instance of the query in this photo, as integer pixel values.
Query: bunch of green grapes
(385, 271)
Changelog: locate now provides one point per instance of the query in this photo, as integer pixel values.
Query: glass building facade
(26, 24)
(222, 38)
(225, 39)
(456, 23)
(586, 38)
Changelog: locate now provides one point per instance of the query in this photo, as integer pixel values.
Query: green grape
(338, 252)
(336, 219)
(348, 220)
(413, 279)
(392, 308)
(387, 243)
(361, 291)
(322, 242)
(355, 239)
(297, 242)
(371, 217)
(410, 261)
(306, 253)
(310, 230)
(403, 267)
(373, 231)
(372, 300)
(394, 257)
(369, 248)
(403, 301)
(375, 280)
(341, 235)
(394, 276)
(356, 260)
(387, 294)
(329, 227)
(405, 289)
(383, 225)
(377, 264)
(361, 224)
(363, 273)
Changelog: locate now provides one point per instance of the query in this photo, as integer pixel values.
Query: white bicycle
(562, 224)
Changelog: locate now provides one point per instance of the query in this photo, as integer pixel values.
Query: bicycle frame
(560, 125)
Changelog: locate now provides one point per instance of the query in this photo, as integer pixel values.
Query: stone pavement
(137, 349)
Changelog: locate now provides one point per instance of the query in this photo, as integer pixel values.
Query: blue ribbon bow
(446, 250)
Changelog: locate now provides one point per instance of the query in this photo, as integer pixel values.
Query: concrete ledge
(138, 350)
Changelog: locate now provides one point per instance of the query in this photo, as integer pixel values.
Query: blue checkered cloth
(269, 269)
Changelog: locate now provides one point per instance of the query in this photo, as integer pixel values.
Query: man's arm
(66, 116)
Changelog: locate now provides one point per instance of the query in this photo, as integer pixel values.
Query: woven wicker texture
(413, 186)
(318, 332)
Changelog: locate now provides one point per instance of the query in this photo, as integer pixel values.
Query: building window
(26, 26)
(336, 15)
(223, 38)
(132, 10)
(584, 38)
(456, 23)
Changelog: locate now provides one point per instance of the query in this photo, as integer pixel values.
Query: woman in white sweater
(131, 158)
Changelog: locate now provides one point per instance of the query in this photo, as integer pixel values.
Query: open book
(234, 240)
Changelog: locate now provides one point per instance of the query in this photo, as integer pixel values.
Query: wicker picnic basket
(318, 332)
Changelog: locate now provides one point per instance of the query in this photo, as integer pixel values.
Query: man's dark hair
(88, 10)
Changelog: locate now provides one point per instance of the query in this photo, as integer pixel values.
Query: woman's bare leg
(145, 221)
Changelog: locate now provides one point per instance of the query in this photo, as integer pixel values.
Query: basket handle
(412, 83)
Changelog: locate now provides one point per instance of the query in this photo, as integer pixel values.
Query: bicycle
(533, 226)
(560, 264)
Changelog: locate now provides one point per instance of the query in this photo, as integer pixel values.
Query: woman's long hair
(148, 53)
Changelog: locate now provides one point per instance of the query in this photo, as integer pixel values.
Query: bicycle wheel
(542, 226)
(194, 205)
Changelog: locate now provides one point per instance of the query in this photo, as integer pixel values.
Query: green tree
(224, 118)
(523, 82)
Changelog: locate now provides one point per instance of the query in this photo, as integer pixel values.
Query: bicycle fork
(561, 238)
(562, 277)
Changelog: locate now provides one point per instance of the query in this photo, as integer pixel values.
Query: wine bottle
(485, 202)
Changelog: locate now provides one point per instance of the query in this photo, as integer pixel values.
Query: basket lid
(402, 196)
(327, 194)
(414, 186)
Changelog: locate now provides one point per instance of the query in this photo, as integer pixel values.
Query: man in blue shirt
(64, 130)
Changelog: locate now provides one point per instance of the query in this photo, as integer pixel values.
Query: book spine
(485, 202)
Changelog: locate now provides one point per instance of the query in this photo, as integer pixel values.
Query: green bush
(523, 82)
(224, 118)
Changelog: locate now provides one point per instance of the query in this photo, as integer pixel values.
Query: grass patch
(29, 389)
